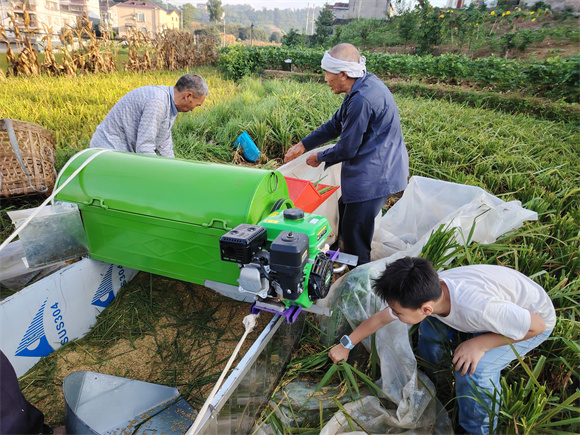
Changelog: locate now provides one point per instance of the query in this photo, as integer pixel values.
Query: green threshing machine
(203, 222)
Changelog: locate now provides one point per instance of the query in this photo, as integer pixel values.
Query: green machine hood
(179, 190)
(166, 216)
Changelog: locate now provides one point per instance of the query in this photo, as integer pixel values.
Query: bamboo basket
(26, 159)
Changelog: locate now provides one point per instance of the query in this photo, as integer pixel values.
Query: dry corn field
(81, 52)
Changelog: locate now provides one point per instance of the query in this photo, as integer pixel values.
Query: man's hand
(294, 152)
(338, 353)
(312, 160)
(467, 355)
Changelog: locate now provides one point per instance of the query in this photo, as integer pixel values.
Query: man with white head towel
(375, 163)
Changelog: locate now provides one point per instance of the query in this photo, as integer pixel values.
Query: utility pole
(251, 35)
(224, 18)
(307, 11)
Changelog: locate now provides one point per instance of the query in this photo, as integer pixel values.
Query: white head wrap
(335, 66)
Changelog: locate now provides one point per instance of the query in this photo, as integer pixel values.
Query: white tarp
(428, 203)
(57, 309)
(403, 231)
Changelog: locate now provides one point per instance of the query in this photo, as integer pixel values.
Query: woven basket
(26, 159)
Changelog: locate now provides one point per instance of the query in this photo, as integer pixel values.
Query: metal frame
(268, 356)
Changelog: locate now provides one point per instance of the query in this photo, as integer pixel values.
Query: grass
(515, 156)
(266, 110)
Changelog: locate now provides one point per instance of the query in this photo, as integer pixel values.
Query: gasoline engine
(284, 260)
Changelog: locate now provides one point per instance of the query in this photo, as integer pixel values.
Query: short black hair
(409, 281)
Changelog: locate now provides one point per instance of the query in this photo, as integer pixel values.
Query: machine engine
(281, 260)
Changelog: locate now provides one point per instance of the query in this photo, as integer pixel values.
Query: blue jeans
(473, 416)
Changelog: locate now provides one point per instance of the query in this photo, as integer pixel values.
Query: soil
(538, 51)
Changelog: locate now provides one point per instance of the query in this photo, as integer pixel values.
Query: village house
(45, 15)
(172, 20)
(355, 9)
(56, 15)
(141, 16)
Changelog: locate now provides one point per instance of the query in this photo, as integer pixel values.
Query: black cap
(293, 214)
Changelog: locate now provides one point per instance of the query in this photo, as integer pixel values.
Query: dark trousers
(356, 226)
(17, 416)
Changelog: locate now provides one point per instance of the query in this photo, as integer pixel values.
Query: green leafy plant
(554, 78)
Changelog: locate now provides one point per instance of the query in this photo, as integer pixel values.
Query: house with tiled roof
(145, 17)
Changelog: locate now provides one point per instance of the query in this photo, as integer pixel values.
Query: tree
(292, 38)
(215, 10)
(188, 14)
(324, 24)
(209, 32)
(276, 37)
(248, 33)
(259, 35)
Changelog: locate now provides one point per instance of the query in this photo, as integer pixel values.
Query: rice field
(515, 157)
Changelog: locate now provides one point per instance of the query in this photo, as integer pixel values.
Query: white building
(4, 9)
(45, 15)
(354, 9)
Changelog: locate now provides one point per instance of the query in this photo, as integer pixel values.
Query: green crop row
(554, 78)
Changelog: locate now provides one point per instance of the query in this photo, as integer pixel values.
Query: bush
(554, 78)
(540, 5)
(238, 61)
(429, 30)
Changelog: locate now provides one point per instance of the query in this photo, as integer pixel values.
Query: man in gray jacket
(375, 163)
(141, 120)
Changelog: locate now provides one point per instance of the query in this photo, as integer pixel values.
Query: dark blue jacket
(371, 148)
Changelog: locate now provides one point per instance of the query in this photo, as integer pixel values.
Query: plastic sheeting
(403, 231)
(409, 389)
(428, 203)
